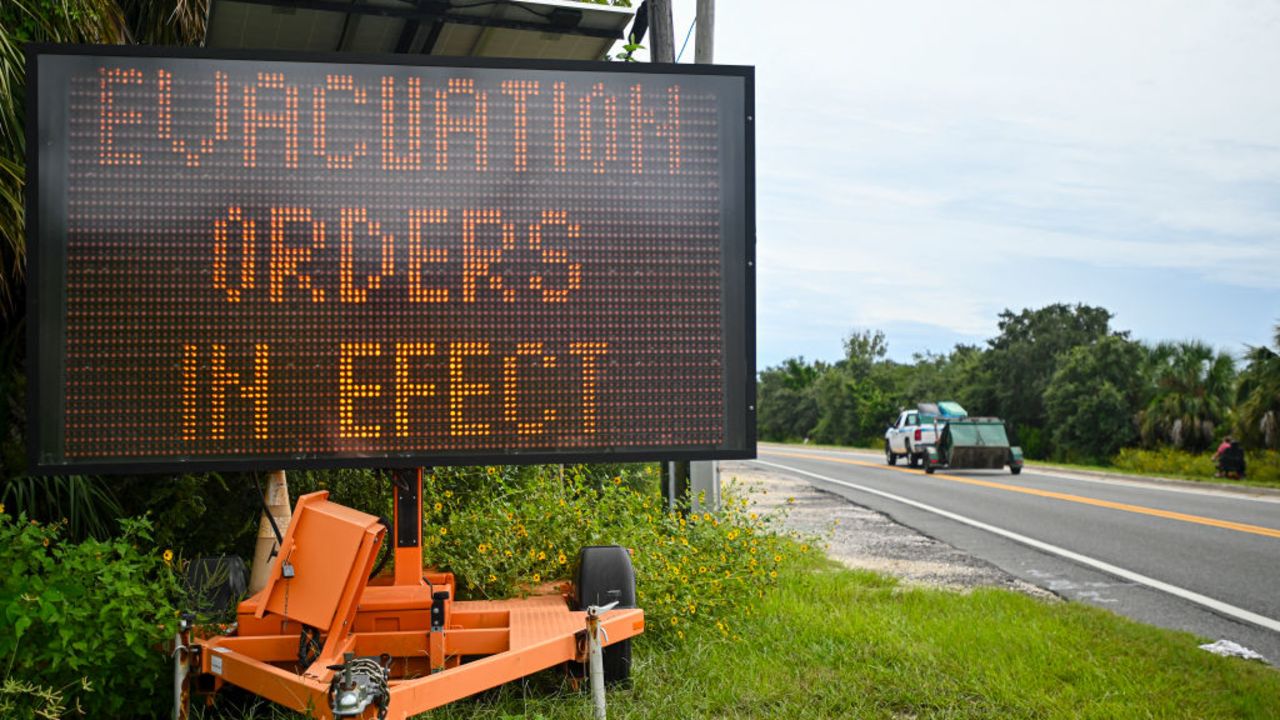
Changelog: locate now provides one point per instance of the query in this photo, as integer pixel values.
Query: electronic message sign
(270, 260)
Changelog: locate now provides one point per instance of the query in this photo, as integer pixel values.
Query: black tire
(912, 460)
(605, 575)
(1015, 470)
(889, 457)
(928, 469)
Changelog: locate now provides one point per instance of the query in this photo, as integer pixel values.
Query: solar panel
(549, 29)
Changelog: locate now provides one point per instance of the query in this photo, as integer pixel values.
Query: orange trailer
(324, 639)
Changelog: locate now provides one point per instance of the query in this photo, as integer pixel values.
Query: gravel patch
(860, 538)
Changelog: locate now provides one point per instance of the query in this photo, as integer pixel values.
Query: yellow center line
(1138, 509)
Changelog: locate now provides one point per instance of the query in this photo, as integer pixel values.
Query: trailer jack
(397, 646)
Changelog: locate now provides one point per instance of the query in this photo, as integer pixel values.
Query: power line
(686, 39)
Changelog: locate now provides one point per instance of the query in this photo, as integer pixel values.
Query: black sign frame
(738, 314)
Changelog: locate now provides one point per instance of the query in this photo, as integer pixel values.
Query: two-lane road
(1194, 559)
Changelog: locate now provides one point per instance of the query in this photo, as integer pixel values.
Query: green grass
(1147, 471)
(830, 642)
(837, 643)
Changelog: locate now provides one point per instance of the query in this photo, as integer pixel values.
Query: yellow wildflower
(562, 559)
(777, 558)
(448, 493)
(439, 507)
(542, 555)
(168, 557)
(537, 577)
(493, 578)
(444, 531)
(1, 508)
(482, 548)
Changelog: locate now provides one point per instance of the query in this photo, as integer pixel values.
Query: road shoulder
(861, 538)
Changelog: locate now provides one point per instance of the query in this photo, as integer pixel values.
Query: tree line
(1070, 387)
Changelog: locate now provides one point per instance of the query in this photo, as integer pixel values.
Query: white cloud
(934, 150)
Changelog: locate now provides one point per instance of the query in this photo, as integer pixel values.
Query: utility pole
(704, 476)
(276, 514)
(662, 48)
(705, 49)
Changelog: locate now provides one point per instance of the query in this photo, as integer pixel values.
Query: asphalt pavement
(1196, 559)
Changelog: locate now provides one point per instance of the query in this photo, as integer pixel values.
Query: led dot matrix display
(278, 261)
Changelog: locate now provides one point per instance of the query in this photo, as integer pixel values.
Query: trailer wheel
(605, 575)
(912, 460)
(889, 457)
(928, 469)
(1015, 470)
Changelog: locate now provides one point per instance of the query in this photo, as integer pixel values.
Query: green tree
(1258, 411)
(786, 405)
(852, 403)
(1019, 363)
(86, 502)
(1193, 389)
(1093, 399)
(932, 376)
(863, 349)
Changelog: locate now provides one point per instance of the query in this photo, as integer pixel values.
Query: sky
(923, 165)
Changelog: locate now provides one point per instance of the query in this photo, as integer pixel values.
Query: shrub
(85, 621)
(1263, 465)
(506, 530)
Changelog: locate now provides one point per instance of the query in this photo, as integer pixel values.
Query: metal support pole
(662, 32)
(675, 485)
(182, 668)
(408, 526)
(595, 658)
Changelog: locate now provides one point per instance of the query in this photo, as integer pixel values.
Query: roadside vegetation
(743, 621)
(827, 642)
(1071, 388)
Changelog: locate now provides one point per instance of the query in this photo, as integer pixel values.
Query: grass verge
(829, 642)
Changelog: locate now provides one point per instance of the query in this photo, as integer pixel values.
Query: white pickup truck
(913, 430)
(917, 428)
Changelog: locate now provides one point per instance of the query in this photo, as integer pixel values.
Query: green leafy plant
(629, 49)
(86, 621)
(507, 531)
(1263, 465)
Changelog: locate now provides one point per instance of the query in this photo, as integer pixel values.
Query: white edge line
(1195, 597)
(1151, 484)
